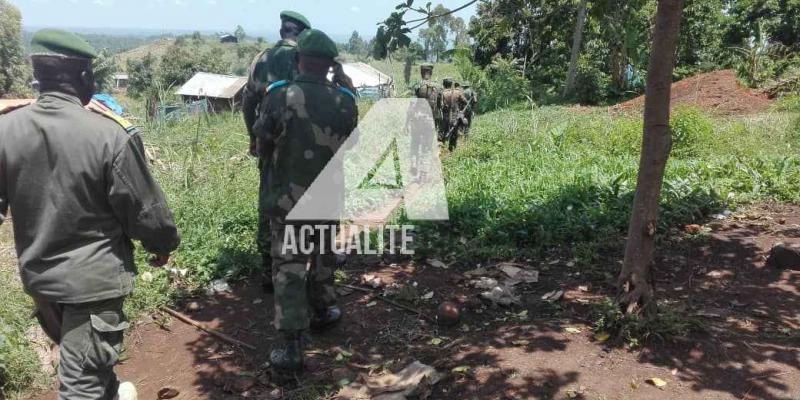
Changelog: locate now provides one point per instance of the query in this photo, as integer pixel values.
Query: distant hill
(114, 43)
(156, 48)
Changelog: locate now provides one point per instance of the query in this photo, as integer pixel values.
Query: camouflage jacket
(301, 125)
(453, 103)
(79, 190)
(433, 93)
(272, 65)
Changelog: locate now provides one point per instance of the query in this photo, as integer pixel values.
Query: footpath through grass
(528, 180)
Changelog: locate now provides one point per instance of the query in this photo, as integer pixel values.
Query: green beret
(314, 42)
(295, 17)
(58, 42)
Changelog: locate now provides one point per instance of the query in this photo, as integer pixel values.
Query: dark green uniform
(431, 92)
(453, 105)
(79, 191)
(472, 106)
(301, 126)
(276, 64)
(272, 65)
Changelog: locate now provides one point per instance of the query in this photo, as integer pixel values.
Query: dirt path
(750, 349)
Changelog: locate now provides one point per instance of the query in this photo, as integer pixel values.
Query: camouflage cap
(447, 81)
(314, 42)
(426, 67)
(58, 42)
(295, 17)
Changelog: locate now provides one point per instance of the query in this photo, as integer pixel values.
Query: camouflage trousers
(90, 337)
(303, 282)
(263, 232)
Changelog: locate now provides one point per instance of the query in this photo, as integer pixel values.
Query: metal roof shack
(223, 92)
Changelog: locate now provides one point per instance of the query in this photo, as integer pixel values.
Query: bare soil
(718, 92)
(749, 348)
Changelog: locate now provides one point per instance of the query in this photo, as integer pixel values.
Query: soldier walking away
(430, 91)
(270, 66)
(472, 106)
(453, 105)
(79, 191)
(301, 125)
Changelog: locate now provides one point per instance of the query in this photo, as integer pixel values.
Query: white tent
(370, 82)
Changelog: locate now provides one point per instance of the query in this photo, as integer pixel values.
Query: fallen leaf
(602, 336)
(436, 341)
(553, 296)
(657, 382)
(463, 369)
(521, 342)
(168, 393)
(436, 263)
(476, 272)
(372, 303)
(427, 296)
(572, 330)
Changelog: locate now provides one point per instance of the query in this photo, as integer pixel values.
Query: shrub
(591, 83)
(689, 127)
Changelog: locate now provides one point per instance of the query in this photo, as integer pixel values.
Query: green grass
(19, 365)
(532, 180)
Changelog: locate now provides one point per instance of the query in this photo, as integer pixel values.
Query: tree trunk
(577, 42)
(635, 284)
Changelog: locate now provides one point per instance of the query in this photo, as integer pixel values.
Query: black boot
(288, 357)
(326, 317)
(266, 273)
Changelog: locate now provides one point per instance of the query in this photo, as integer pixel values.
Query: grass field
(527, 181)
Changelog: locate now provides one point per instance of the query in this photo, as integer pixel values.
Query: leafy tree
(240, 33)
(141, 75)
(762, 20)
(181, 62)
(356, 45)
(12, 63)
(104, 68)
(458, 29)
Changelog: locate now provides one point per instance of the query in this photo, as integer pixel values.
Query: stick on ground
(201, 326)
(391, 302)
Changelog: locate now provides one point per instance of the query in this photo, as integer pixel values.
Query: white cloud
(212, 2)
(99, 2)
(355, 8)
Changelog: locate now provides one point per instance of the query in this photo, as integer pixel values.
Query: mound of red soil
(718, 92)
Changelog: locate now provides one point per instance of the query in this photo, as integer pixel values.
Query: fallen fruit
(448, 314)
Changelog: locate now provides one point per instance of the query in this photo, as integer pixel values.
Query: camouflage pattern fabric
(472, 105)
(272, 65)
(431, 92)
(453, 104)
(303, 283)
(300, 127)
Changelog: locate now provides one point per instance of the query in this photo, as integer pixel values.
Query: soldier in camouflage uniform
(272, 65)
(79, 190)
(430, 91)
(472, 106)
(301, 125)
(453, 105)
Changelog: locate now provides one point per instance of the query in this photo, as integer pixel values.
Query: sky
(336, 17)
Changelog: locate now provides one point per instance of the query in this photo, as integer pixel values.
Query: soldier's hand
(159, 260)
(253, 147)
